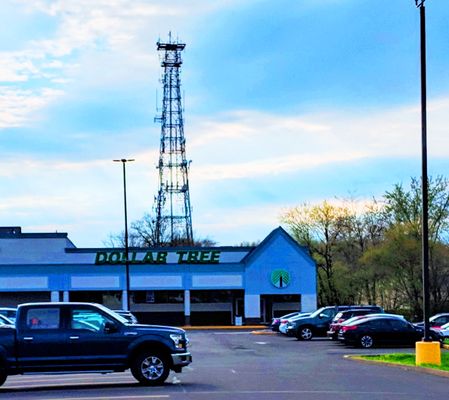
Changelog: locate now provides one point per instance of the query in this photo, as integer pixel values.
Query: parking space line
(111, 397)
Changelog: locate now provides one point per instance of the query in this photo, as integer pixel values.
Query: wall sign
(159, 257)
(280, 278)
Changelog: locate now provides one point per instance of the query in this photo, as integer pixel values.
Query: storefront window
(214, 296)
(158, 296)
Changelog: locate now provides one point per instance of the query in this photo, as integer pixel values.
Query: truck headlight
(178, 340)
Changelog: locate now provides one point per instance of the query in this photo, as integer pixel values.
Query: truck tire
(150, 368)
(305, 333)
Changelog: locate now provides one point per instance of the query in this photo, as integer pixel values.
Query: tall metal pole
(425, 205)
(124, 161)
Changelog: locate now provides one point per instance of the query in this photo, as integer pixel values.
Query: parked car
(436, 320)
(442, 332)
(381, 330)
(317, 323)
(343, 316)
(9, 313)
(275, 322)
(284, 322)
(130, 317)
(66, 337)
(357, 317)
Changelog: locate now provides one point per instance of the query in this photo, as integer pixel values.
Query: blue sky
(286, 102)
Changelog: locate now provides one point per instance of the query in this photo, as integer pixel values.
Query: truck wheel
(150, 368)
(305, 333)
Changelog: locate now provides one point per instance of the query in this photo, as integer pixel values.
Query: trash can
(238, 321)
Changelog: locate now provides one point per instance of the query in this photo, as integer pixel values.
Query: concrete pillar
(252, 308)
(54, 297)
(187, 307)
(124, 299)
(65, 295)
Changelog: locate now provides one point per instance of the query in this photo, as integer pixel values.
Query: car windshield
(317, 312)
(338, 316)
(113, 313)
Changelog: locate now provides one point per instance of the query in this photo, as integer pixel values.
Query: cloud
(18, 107)
(251, 143)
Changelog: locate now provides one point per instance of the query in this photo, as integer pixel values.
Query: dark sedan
(343, 316)
(369, 332)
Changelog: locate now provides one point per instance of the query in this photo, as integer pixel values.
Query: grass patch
(408, 359)
(446, 341)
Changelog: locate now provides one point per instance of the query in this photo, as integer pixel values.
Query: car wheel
(150, 368)
(305, 333)
(366, 341)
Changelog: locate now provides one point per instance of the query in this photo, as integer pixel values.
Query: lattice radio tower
(173, 223)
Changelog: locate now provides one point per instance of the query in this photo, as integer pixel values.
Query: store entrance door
(277, 305)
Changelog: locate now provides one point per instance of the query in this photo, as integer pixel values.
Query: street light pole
(427, 351)
(424, 180)
(124, 161)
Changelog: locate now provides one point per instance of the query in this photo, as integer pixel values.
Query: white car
(444, 331)
(284, 322)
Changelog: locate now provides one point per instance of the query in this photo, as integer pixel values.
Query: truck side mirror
(109, 327)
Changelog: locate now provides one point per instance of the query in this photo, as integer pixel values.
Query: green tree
(320, 227)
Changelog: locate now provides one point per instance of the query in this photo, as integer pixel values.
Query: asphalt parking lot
(241, 365)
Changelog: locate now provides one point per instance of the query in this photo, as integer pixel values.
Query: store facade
(194, 285)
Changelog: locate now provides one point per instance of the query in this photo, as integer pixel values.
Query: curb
(224, 327)
(264, 332)
(425, 370)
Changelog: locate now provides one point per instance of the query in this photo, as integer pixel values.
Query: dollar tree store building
(194, 285)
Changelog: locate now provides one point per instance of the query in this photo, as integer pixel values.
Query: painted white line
(111, 397)
(261, 342)
(233, 371)
(175, 380)
(32, 385)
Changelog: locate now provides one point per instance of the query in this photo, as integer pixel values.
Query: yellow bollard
(428, 353)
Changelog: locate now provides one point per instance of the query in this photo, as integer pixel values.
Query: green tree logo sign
(280, 278)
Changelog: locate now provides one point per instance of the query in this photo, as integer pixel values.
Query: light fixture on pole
(426, 351)
(124, 161)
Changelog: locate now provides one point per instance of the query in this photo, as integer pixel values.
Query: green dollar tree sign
(280, 278)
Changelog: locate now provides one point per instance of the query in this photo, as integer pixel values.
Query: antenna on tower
(173, 224)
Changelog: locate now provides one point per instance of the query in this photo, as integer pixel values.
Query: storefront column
(252, 308)
(187, 307)
(65, 295)
(124, 300)
(308, 302)
(54, 296)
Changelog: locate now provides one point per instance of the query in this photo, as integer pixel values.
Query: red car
(343, 316)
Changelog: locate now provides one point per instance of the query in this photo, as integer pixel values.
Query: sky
(286, 102)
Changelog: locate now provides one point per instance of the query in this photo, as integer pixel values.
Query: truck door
(91, 345)
(41, 339)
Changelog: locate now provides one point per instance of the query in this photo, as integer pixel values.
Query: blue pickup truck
(85, 337)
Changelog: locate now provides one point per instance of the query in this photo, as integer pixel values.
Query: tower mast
(173, 212)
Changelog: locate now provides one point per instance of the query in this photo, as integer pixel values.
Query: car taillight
(349, 328)
(284, 321)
